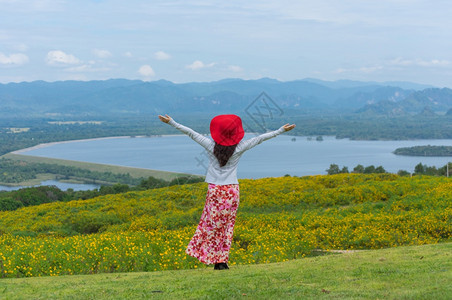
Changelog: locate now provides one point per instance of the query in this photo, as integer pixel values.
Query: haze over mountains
(307, 96)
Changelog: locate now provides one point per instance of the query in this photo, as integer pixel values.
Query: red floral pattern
(212, 239)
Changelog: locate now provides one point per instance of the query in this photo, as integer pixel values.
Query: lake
(276, 157)
(61, 185)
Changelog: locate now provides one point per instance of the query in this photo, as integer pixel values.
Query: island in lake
(425, 151)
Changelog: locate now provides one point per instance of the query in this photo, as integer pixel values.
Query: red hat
(227, 130)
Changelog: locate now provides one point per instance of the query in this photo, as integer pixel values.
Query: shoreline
(44, 145)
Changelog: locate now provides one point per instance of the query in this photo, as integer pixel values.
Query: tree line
(335, 169)
(425, 151)
(419, 169)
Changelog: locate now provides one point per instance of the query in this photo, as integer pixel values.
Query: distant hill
(434, 99)
(427, 112)
(380, 95)
(437, 99)
(352, 83)
(308, 96)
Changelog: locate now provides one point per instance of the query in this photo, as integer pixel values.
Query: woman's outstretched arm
(199, 138)
(248, 144)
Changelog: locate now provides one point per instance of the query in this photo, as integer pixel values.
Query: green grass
(414, 272)
(134, 172)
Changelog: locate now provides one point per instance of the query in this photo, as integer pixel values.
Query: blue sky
(185, 41)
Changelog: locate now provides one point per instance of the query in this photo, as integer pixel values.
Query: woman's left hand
(165, 119)
(288, 127)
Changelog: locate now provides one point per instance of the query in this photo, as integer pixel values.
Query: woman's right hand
(288, 127)
(165, 119)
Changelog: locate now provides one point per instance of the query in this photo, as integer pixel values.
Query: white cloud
(58, 57)
(396, 63)
(47, 5)
(25, 6)
(87, 68)
(20, 47)
(146, 71)
(371, 69)
(102, 53)
(13, 59)
(235, 69)
(3, 35)
(160, 55)
(82, 68)
(419, 62)
(361, 70)
(381, 13)
(128, 54)
(197, 65)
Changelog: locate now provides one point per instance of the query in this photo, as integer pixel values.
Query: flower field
(279, 219)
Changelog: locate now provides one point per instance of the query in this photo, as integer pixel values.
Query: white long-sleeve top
(228, 173)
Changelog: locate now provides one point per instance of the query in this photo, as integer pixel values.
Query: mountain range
(307, 96)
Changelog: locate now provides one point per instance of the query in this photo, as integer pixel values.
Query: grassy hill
(279, 219)
(414, 272)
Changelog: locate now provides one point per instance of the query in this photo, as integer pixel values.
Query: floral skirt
(212, 239)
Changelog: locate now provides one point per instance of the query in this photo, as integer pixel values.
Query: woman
(212, 239)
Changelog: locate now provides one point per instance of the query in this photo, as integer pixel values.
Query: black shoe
(221, 266)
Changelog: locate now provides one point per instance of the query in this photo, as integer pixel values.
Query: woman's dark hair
(223, 153)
